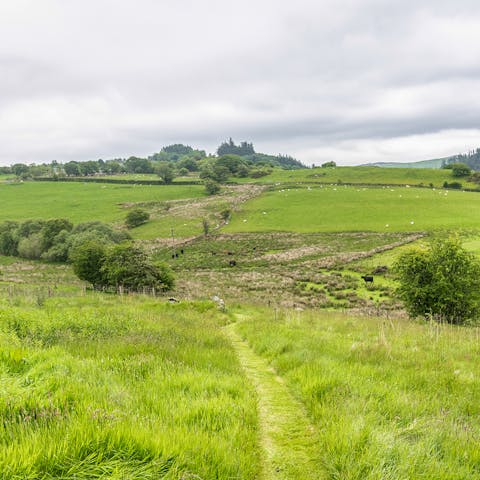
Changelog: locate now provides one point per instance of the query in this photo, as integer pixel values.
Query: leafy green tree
(460, 170)
(87, 260)
(128, 266)
(136, 217)
(72, 169)
(442, 282)
(165, 171)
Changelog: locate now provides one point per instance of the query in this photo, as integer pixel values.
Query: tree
(128, 266)
(460, 170)
(330, 164)
(136, 217)
(165, 171)
(72, 169)
(442, 282)
(88, 260)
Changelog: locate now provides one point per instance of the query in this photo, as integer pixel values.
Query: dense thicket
(54, 239)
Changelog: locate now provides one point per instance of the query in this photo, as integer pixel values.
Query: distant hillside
(434, 163)
(472, 159)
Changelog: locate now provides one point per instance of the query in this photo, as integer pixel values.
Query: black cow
(368, 278)
(232, 263)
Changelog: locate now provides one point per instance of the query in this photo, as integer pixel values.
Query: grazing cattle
(173, 300)
(182, 251)
(368, 278)
(232, 263)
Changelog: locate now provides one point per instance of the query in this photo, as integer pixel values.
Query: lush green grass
(122, 388)
(80, 202)
(367, 175)
(342, 208)
(390, 399)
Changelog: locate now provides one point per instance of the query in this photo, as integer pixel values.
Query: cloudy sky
(353, 81)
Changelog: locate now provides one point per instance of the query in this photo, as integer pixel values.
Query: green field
(81, 202)
(366, 175)
(342, 209)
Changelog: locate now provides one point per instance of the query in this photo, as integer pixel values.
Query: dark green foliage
(136, 217)
(442, 282)
(460, 170)
(88, 260)
(138, 165)
(229, 147)
(128, 266)
(72, 169)
(53, 240)
(51, 229)
(329, 164)
(452, 185)
(178, 148)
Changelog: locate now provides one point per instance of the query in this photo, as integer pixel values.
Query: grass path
(287, 438)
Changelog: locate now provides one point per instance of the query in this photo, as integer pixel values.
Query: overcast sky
(352, 81)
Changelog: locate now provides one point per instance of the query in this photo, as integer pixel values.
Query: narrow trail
(287, 438)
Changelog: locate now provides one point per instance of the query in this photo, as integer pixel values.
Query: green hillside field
(82, 202)
(366, 175)
(346, 208)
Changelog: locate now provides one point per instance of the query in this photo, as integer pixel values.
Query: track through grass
(287, 437)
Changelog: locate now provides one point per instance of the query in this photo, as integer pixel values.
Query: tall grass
(391, 399)
(109, 388)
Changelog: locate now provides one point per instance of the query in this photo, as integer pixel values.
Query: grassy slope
(121, 388)
(373, 175)
(82, 202)
(391, 399)
(342, 208)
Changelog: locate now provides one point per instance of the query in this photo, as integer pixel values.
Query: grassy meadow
(365, 175)
(389, 399)
(337, 208)
(100, 387)
(306, 369)
(81, 202)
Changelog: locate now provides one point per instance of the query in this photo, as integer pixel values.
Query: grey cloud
(99, 79)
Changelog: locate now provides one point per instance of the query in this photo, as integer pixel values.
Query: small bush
(136, 217)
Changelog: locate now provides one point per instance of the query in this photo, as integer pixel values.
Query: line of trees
(170, 162)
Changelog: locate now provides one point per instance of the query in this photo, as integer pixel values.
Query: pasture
(81, 202)
(336, 208)
(363, 175)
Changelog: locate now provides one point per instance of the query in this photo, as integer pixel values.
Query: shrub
(136, 217)
(212, 187)
(442, 281)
